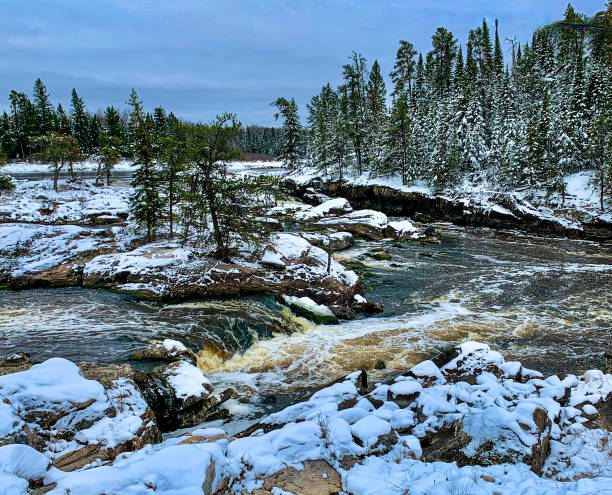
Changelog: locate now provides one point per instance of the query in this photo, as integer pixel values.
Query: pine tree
(376, 120)
(354, 81)
(80, 122)
(498, 56)
(146, 202)
(44, 109)
(292, 151)
(403, 69)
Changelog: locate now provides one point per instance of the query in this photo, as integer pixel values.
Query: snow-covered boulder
(334, 241)
(180, 395)
(401, 229)
(332, 207)
(70, 419)
(168, 350)
(369, 224)
(306, 307)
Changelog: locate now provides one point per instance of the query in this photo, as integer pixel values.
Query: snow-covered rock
(165, 270)
(70, 419)
(336, 206)
(361, 223)
(304, 306)
(32, 255)
(168, 350)
(401, 229)
(487, 435)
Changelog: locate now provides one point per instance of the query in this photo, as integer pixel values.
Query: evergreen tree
(376, 120)
(80, 122)
(44, 109)
(403, 69)
(291, 152)
(354, 81)
(147, 202)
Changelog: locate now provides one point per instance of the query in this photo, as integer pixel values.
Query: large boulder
(368, 224)
(306, 307)
(72, 420)
(180, 395)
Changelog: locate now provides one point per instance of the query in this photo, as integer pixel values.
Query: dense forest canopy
(464, 113)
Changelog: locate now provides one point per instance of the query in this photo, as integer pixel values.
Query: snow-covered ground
(91, 165)
(475, 425)
(81, 202)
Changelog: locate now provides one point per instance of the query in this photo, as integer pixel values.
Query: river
(544, 301)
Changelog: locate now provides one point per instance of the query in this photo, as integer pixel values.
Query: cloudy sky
(202, 57)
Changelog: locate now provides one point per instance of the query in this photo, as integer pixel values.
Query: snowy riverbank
(470, 422)
(578, 217)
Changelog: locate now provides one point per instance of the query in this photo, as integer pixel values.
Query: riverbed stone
(167, 350)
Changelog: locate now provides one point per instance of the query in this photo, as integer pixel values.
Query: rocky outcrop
(180, 395)
(500, 210)
(74, 421)
(166, 271)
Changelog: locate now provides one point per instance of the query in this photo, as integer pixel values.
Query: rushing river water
(544, 301)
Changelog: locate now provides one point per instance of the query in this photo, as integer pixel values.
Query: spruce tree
(80, 122)
(44, 109)
(146, 202)
(376, 121)
(292, 151)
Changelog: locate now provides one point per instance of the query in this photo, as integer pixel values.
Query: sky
(203, 57)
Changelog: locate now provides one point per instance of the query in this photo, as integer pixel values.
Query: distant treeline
(31, 118)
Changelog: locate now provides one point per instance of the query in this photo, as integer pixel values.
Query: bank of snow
(475, 424)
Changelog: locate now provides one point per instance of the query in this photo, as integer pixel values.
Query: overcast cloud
(199, 58)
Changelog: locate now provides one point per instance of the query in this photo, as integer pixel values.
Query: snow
(74, 202)
(174, 470)
(372, 218)
(272, 258)
(333, 206)
(23, 461)
(188, 380)
(497, 411)
(26, 248)
(402, 228)
(90, 165)
(369, 429)
(56, 389)
(309, 305)
(173, 345)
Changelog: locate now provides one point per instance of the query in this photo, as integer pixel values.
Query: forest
(467, 113)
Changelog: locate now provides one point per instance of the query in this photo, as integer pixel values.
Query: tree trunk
(55, 176)
(171, 205)
(601, 192)
(221, 247)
